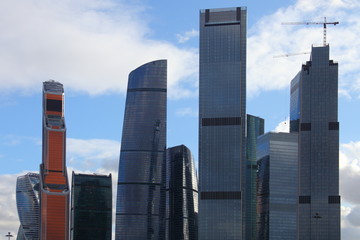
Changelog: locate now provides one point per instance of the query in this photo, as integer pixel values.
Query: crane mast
(324, 23)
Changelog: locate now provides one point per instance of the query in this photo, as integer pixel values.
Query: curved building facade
(182, 191)
(140, 212)
(27, 202)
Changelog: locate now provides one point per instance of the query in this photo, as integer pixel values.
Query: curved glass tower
(182, 188)
(139, 196)
(27, 202)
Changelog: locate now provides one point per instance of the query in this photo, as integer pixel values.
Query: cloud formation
(89, 46)
(283, 126)
(268, 38)
(91, 154)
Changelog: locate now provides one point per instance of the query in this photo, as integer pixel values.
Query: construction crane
(290, 54)
(308, 23)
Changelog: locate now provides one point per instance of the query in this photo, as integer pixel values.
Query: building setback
(54, 187)
(91, 207)
(222, 96)
(140, 207)
(316, 111)
(254, 128)
(277, 187)
(27, 202)
(182, 194)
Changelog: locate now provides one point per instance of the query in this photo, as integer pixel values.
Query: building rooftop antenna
(324, 23)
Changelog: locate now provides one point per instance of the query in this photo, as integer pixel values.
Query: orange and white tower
(54, 190)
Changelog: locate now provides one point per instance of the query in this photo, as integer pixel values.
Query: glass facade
(277, 187)
(254, 128)
(182, 194)
(27, 202)
(319, 200)
(222, 98)
(54, 187)
(91, 207)
(140, 208)
(294, 103)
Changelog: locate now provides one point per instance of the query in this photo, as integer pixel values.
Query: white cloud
(9, 220)
(89, 46)
(92, 154)
(268, 38)
(283, 126)
(187, 112)
(187, 35)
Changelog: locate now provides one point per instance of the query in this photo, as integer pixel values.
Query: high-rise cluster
(252, 185)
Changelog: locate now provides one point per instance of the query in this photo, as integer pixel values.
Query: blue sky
(91, 46)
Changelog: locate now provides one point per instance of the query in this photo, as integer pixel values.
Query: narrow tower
(182, 189)
(140, 212)
(314, 114)
(54, 188)
(222, 100)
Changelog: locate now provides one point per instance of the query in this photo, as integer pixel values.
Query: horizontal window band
(305, 126)
(226, 121)
(333, 125)
(334, 200)
(48, 170)
(139, 183)
(159, 151)
(304, 199)
(184, 188)
(209, 24)
(147, 90)
(136, 214)
(220, 195)
(56, 186)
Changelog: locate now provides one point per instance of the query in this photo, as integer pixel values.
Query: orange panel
(55, 151)
(55, 217)
(54, 96)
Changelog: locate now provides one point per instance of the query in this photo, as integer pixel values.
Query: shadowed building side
(91, 207)
(182, 194)
(54, 187)
(254, 128)
(140, 209)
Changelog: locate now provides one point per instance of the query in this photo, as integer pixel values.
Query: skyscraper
(139, 212)
(277, 155)
(54, 187)
(91, 207)
(182, 189)
(222, 99)
(317, 112)
(27, 202)
(254, 128)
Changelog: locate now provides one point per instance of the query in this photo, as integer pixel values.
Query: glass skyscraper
(222, 98)
(27, 202)
(91, 207)
(277, 187)
(317, 108)
(54, 187)
(140, 208)
(254, 128)
(182, 194)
